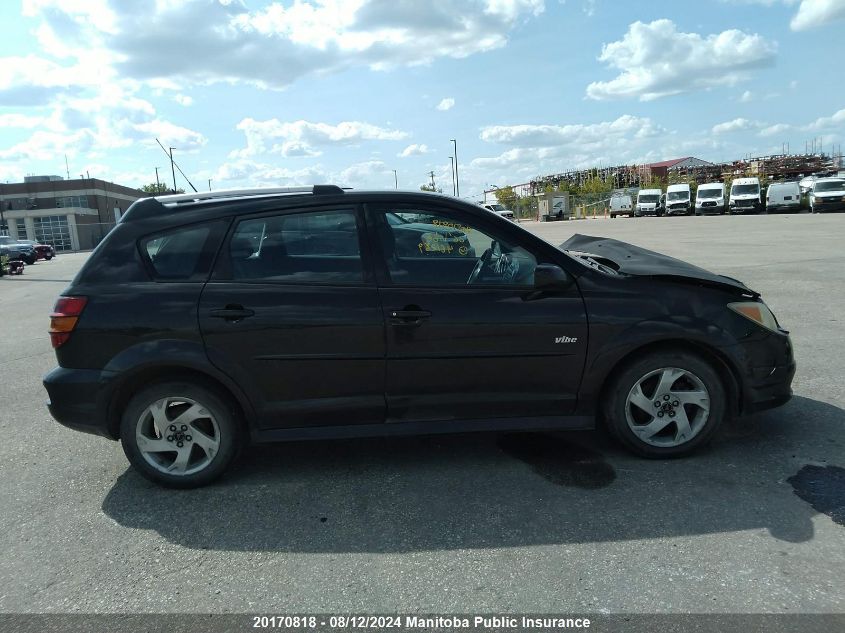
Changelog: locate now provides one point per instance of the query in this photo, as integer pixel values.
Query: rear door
(467, 335)
(293, 314)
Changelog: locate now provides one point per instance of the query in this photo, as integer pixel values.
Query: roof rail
(181, 198)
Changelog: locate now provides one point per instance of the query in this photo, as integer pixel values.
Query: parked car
(678, 199)
(16, 251)
(783, 197)
(649, 202)
(174, 340)
(499, 209)
(42, 251)
(710, 198)
(827, 194)
(745, 196)
(621, 204)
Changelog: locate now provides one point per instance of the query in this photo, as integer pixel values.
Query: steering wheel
(479, 266)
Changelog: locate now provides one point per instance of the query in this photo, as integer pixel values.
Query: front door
(468, 337)
(293, 315)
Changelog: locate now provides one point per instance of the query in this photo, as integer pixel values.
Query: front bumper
(78, 399)
(766, 365)
(823, 207)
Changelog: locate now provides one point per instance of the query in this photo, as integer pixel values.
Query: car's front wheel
(666, 404)
(180, 434)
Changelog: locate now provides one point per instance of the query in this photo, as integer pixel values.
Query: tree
(159, 189)
(430, 188)
(507, 197)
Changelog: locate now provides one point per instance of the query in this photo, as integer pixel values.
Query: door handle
(408, 317)
(232, 313)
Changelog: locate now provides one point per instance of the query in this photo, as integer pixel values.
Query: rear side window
(310, 247)
(182, 254)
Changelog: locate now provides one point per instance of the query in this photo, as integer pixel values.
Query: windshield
(677, 195)
(647, 199)
(745, 190)
(709, 193)
(831, 185)
(496, 207)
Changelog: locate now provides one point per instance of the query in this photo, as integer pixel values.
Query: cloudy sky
(254, 92)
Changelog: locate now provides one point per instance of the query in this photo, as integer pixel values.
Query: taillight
(64, 318)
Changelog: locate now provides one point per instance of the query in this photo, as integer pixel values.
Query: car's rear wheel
(179, 434)
(666, 404)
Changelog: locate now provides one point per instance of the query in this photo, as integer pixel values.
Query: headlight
(756, 311)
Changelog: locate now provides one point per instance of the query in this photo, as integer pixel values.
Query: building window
(53, 229)
(4, 227)
(72, 201)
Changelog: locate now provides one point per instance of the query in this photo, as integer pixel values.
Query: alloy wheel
(667, 407)
(177, 436)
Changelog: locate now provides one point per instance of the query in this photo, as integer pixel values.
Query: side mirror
(551, 277)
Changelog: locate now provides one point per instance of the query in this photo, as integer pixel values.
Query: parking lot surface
(462, 524)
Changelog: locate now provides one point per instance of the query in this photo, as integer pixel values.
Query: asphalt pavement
(460, 524)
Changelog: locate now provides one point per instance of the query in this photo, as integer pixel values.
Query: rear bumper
(78, 399)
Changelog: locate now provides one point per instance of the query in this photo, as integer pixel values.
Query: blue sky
(300, 91)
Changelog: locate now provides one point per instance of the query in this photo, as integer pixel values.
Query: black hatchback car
(206, 321)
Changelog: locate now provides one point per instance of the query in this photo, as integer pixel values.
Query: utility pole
(452, 163)
(395, 180)
(457, 178)
(173, 170)
(209, 184)
(158, 184)
(431, 174)
(67, 169)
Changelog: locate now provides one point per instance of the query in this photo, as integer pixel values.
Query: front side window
(312, 247)
(437, 248)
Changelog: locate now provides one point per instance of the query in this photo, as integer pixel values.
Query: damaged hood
(633, 260)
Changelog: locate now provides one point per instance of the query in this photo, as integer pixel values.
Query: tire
(694, 380)
(210, 434)
(48, 257)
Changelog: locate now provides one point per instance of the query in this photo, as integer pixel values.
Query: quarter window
(178, 254)
(436, 248)
(312, 247)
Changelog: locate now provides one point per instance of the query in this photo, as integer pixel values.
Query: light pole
(452, 164)
(209, 184)
(172, 169)
(158, 184)
(457, 178)
(395, 180)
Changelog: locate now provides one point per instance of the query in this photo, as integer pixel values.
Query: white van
(710, 198)
(745, 196)
(621, 204)
(678, 200)
(827, 194)
(648, 202)
(783, 197)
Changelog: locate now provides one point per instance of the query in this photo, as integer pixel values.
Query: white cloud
(604, 134)
(736, 125)
(446, 104)
(302, 138)
(13, 120)
(747, 97)
(414, 150)
(777, 128)
(657, 60)
(183, 100)
(203, 41)
(814, 13)
(837, 120)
